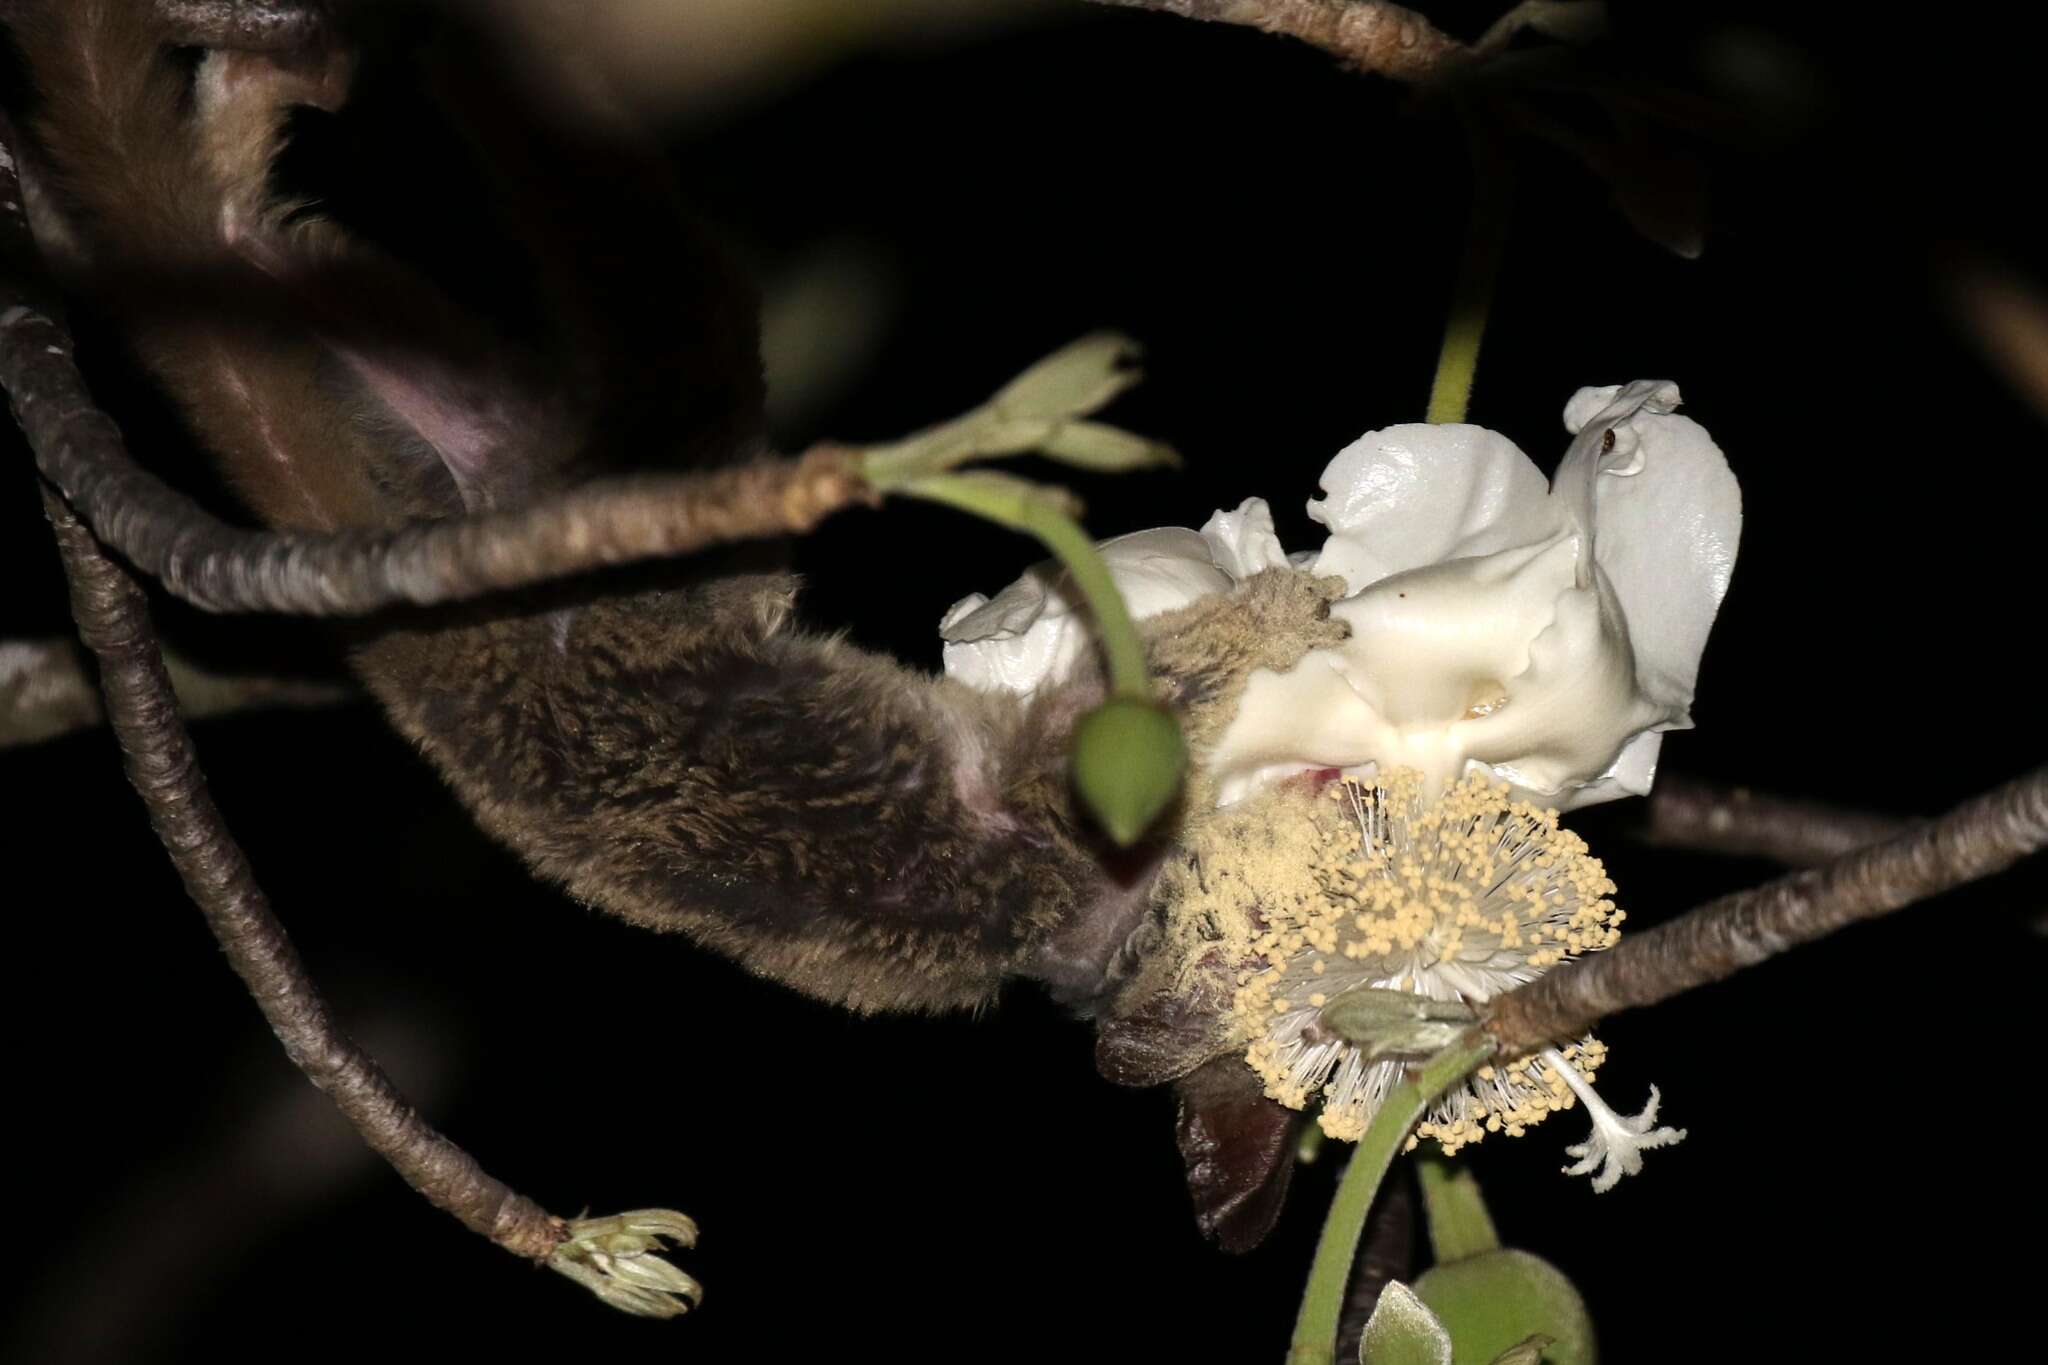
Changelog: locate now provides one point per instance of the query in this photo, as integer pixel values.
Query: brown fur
(679, 756)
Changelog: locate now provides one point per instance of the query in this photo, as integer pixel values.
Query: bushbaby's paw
(1205, 652)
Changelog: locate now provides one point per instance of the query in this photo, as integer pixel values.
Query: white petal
(1568, 716)
(1499, 659)
(1031, 633)
(1667, 518)
(1242, 543)
(1419, 494)
(1629, 775)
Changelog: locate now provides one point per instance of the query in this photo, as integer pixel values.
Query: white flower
(1546, 633)
(1032, 632)
(1456, 899)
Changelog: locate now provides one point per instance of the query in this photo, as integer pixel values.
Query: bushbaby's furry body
(678, 754)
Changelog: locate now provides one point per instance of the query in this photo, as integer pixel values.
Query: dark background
(1859, 1180)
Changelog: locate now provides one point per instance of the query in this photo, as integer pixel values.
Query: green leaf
(1128, 761)
(1494, 1302)
(1040, 410)
(1402, 1331)
(1074, 380)
(1104, 449)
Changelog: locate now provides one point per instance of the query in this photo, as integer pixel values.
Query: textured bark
(1747, 824)
(113, 620)
(1976, 840)
(47, 689)
(1387, 39)
(219, 567)
(247, 25)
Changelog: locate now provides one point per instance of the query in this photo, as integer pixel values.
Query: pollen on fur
(1461, 898)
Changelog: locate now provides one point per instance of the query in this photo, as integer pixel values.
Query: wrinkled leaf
(1236, 1144)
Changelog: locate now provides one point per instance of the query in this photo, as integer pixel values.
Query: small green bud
(1402, 1331)
(614, 1258)
(1385, 1023)
(1128, 762)
(1076, 379)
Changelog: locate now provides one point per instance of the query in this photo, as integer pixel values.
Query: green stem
(1459, 1225)
(1046, 514)
(1485, 241)
(1322, 1303)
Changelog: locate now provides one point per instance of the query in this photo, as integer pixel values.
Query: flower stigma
(1455, 899)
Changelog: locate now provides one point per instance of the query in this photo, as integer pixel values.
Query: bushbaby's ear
(1239, 1147)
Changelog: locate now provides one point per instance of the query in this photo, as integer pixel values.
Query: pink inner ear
(463, 430)
(463, 434)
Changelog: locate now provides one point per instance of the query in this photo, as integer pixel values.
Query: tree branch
(47, 689)
(113, 620)
(1373, 35)
(1684, 813)
(1977, 839)
(246, 25)
(612, 1257)
(219, 567)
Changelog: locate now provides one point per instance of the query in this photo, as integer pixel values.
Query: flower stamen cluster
(1456, 899)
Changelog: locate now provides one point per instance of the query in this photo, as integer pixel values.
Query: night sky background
(1860, 1178)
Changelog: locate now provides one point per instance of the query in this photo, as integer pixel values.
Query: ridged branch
(224, 568)
(1389, 40)
(1741, 823)
(113, 620)
(47, 689)
(1976, 840)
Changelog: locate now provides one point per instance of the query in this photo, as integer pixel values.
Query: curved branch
(1977, 839)
(1373, 35)
(1684, 813)
(47, 689)
(219, 567)
(113, 620)
(246, 25)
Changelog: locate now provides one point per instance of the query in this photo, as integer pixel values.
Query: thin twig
(1977, 839)
(1387, 39)
(47, 689)
(1684, 813)
(113, 620)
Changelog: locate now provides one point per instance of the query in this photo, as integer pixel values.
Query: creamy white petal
(1418, 494)
(1242, 543)
(1031, 633)
(1667, 518)
(1629, 775)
